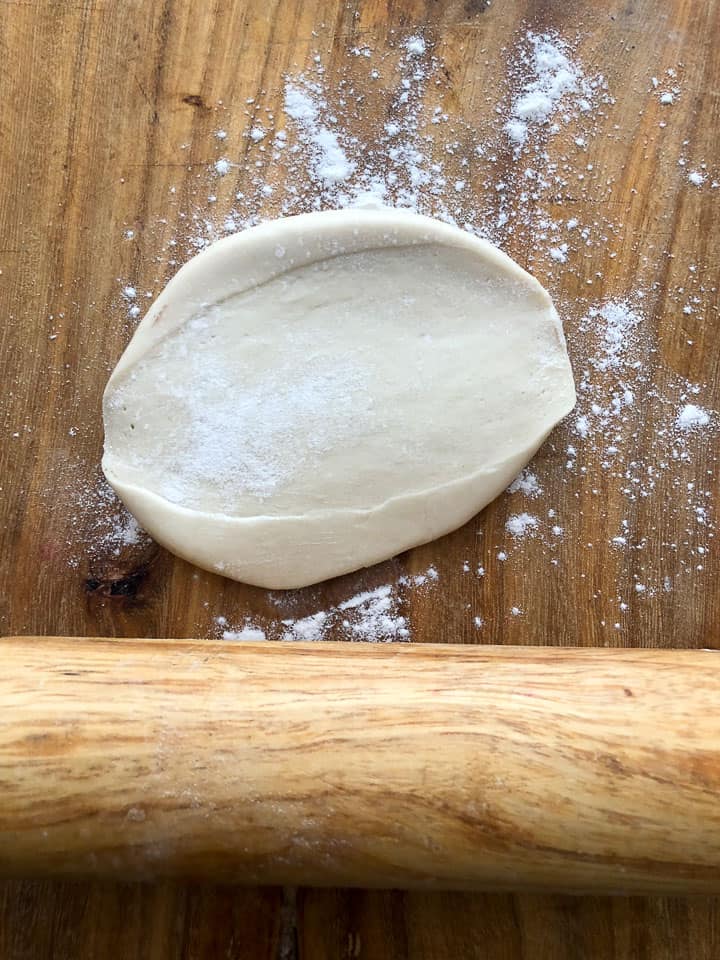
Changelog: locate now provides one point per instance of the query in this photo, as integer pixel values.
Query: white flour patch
(555, 88)
(521, 525)
(692, 417)
(247, 634)
(415, 46)
(375, 615)
(313, 627)
(526, 482)
(305, 104)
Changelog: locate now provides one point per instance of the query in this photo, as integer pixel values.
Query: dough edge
(319, 233)
(308, 553)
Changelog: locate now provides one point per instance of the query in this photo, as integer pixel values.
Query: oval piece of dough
(319, 393)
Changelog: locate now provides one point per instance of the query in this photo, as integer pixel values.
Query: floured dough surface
(318, 393)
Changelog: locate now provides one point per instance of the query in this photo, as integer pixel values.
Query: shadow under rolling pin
(463, 767)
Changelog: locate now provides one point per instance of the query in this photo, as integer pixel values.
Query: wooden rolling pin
(357, 764)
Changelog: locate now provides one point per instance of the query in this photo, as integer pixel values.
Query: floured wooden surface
(609, 537)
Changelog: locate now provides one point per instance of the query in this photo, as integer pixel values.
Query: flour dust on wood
(380, 129)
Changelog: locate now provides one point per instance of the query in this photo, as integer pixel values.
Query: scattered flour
(304, 104)
(624, 406)
(526, 482)
(247, 633)
(691, 417)
(100, 523)
(555, 86)
(375, 616)
(372, 615)
(308, 628)
(327, 149)
(522, 525)
(415, 46)
(331, 164)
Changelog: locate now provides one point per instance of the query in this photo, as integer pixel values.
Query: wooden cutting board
(108, 136)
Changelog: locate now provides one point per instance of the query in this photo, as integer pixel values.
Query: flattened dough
(319, 393)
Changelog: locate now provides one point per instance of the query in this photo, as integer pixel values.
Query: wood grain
(448, 767)
(98, 101)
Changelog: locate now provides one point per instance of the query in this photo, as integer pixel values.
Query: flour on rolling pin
(325, 152)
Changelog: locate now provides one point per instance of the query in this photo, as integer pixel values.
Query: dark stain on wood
(121, 586)
(476, 7)
(195, 100)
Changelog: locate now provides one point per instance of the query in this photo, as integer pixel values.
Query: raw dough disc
(318, 393)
